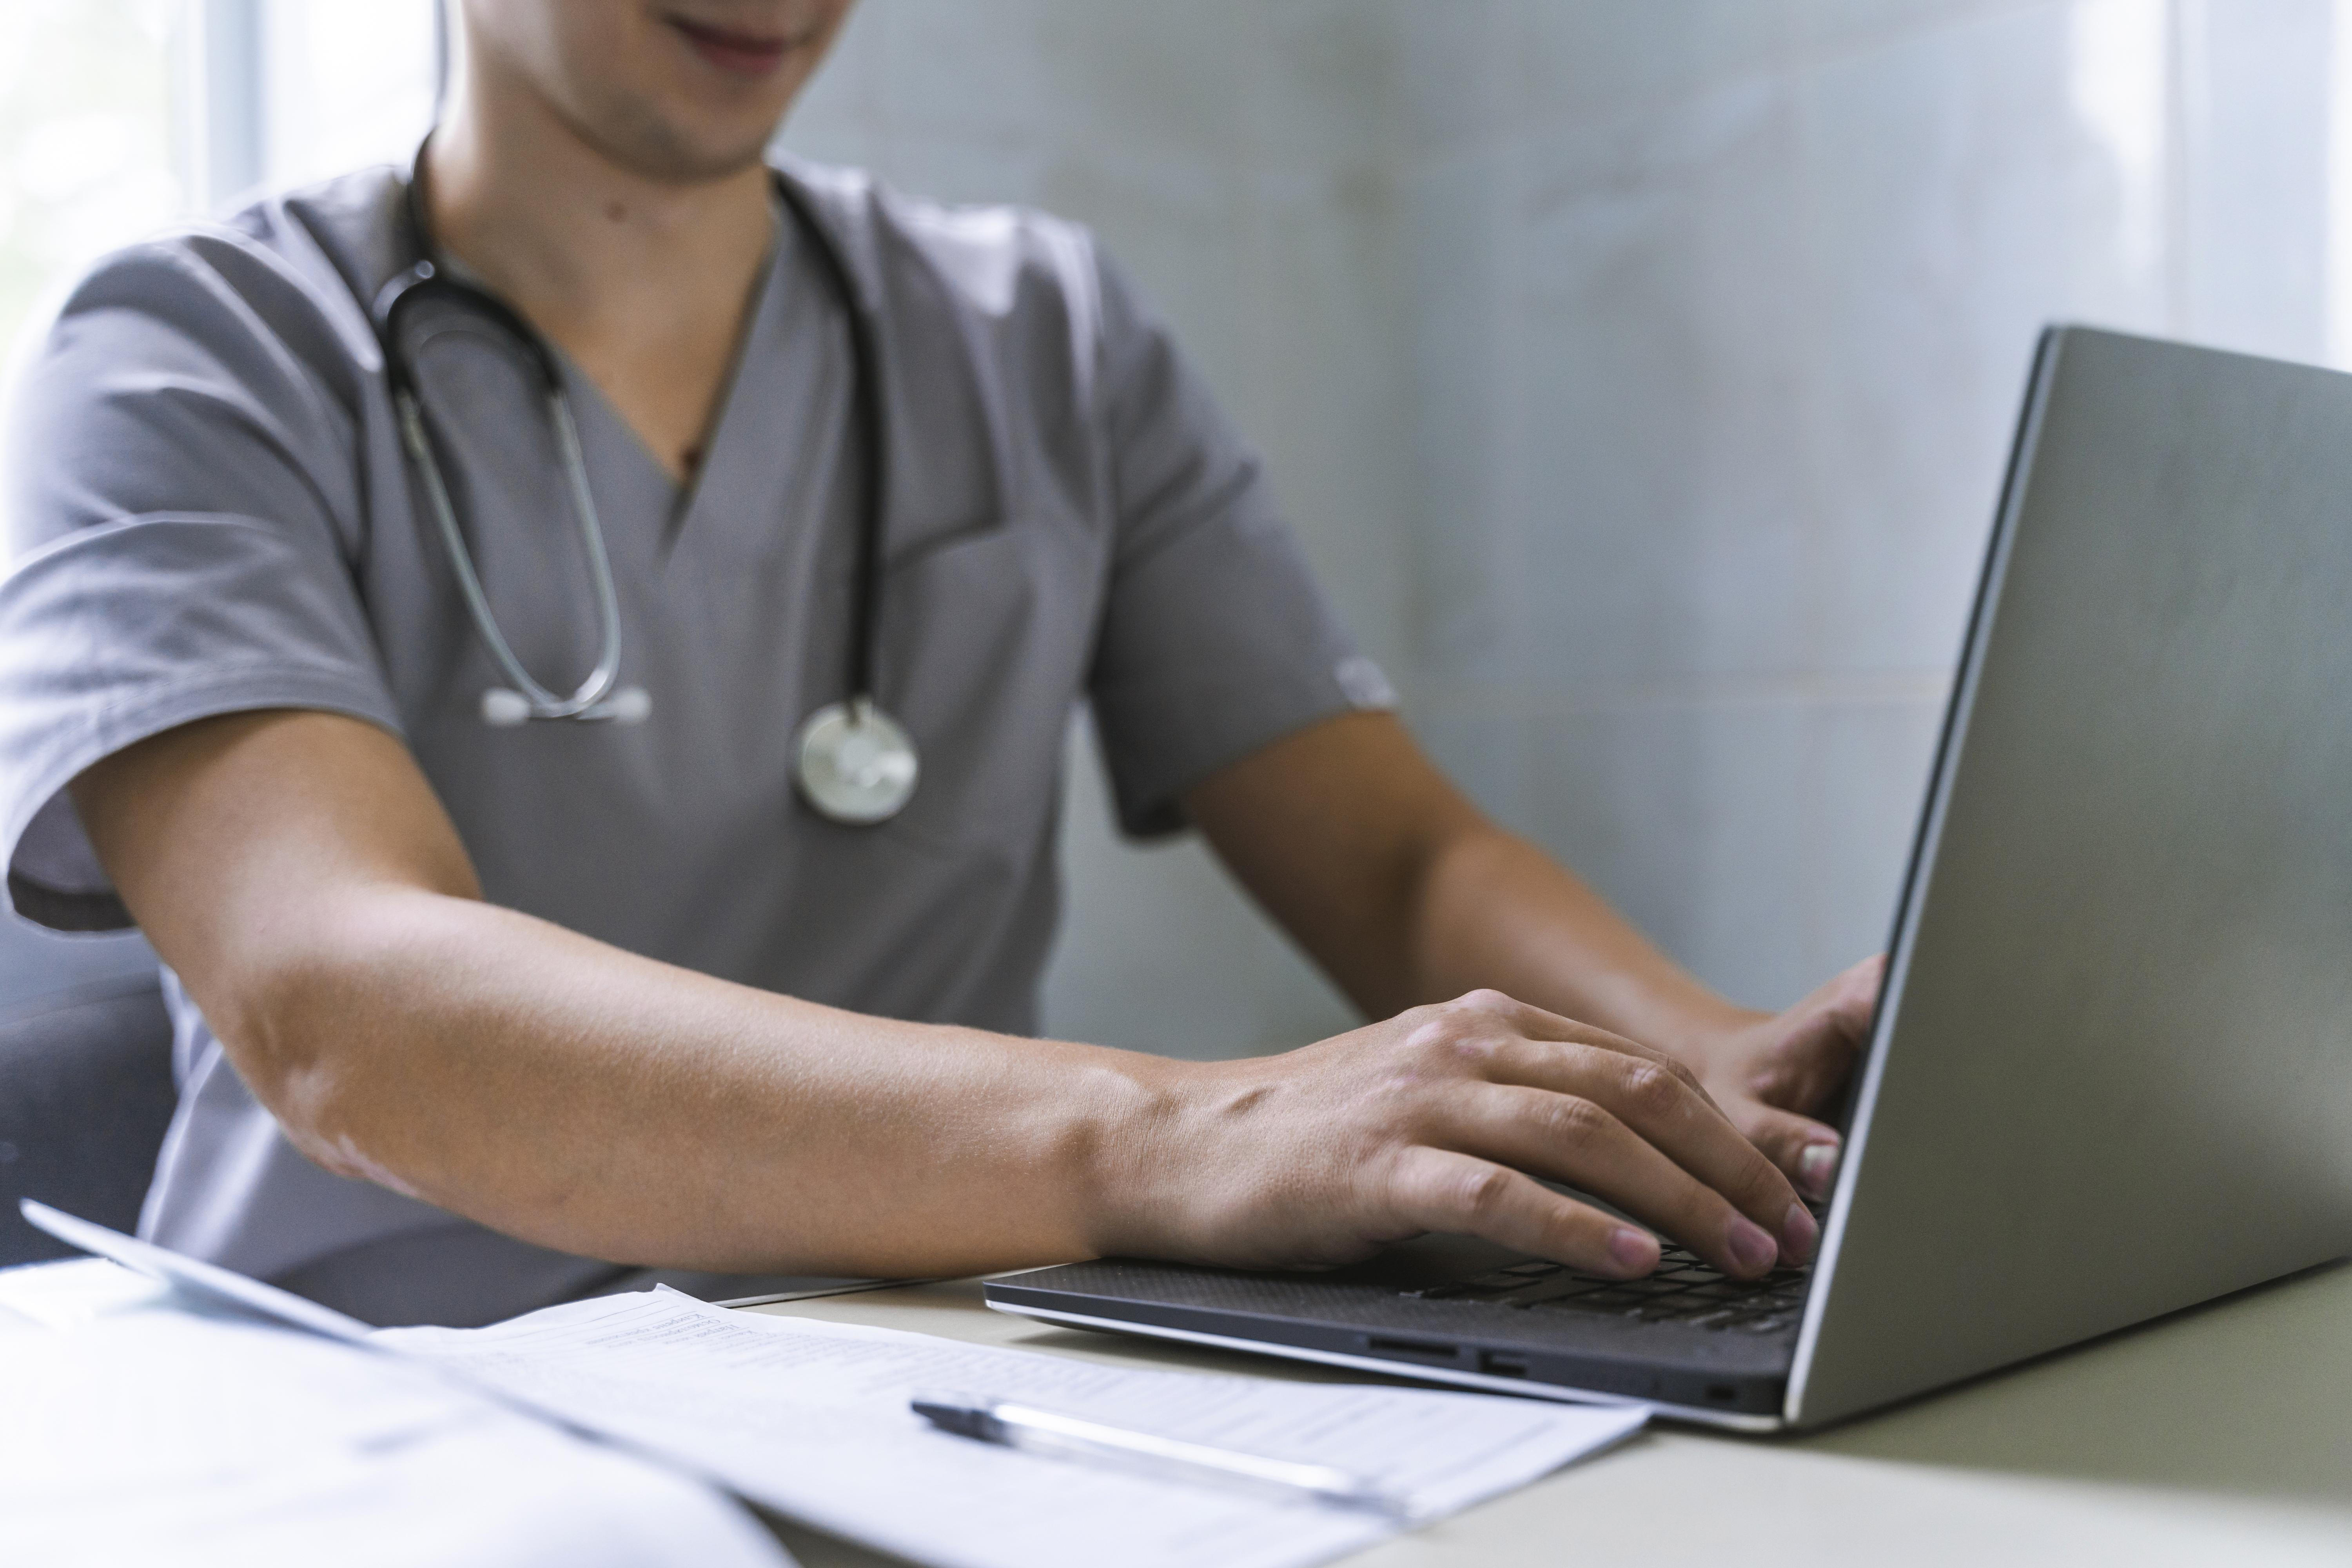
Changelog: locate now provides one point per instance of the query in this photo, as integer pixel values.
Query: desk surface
(2219, 1434)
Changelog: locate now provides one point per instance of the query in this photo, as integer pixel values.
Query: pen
(1057, 1436)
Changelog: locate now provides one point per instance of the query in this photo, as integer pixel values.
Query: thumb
(1846, 1001)
(1821, 1037)
(1806, 1151)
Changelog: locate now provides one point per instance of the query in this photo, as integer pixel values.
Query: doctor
(816, 509)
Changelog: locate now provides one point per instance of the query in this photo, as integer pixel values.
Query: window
(91, 140)
(118, 117)
(345, 83)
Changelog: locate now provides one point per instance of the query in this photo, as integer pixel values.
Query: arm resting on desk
(297, 871)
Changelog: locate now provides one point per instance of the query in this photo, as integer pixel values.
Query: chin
(683, 147)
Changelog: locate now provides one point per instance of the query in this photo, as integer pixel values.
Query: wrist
(1166, 1175)
(1119, 1178)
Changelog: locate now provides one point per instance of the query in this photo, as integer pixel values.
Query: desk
(2218, 1436)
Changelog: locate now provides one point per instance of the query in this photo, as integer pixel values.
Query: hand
(1775, 1073)
(1442, 1119)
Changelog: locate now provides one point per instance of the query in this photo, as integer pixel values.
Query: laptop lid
(2111, 1075)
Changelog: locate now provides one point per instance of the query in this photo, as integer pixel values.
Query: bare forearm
(1407, 894)
(296, 872)
(589, 1099)
(1491, 909)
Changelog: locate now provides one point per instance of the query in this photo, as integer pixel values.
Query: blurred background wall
(1639, 375)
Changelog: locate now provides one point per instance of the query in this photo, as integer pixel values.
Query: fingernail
(1751, 1248)
(1635, 1251)
(1816, 1168)
(1798, 1234)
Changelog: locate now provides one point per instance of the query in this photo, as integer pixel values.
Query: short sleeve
(177, 482)
(1215, 641)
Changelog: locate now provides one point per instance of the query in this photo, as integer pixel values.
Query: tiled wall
(1638, 373)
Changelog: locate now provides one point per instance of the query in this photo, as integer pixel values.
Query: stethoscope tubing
(427, 280)
(853, 762)
(873, 444)
(544, 703)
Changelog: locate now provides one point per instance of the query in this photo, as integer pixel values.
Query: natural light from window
(350, 82)
(119, 117)
(88, 141)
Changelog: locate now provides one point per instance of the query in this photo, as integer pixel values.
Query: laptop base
(1482, 1383)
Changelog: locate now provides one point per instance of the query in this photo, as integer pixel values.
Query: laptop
(2110, 1073)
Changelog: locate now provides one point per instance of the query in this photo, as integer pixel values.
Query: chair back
(86, 1091)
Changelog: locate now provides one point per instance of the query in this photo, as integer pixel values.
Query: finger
(1662, 1103)
(1458, 1195)
(1804, 1150)
(1576, 1140)
(1826, 1032)
(1523, 1057)
(1848, 996)
(1531, 1022)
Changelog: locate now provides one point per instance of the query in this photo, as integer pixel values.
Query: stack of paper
(165, 1437)
(234, 1441)
(811, 1419)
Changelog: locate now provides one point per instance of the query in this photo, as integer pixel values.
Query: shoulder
(238, 335)
(1010, 267)
(269, 291)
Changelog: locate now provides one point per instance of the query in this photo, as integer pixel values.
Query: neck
(578, 242)
(643, 282)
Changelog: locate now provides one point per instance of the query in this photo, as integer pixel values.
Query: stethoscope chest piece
(854, 763)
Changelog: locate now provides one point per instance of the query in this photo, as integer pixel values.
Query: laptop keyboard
(1683, 1289)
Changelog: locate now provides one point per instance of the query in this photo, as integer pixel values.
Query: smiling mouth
(738, 54)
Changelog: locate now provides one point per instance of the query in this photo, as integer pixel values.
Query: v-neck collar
(582, 387)
(785, 378)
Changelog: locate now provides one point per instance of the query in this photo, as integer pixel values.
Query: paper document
(811, 1419)
(159, 1436)
(808, 1418)
(203, 1281)
(74, 1290)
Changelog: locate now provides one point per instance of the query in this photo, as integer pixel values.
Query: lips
(738, 54)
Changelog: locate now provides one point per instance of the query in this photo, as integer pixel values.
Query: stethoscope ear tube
(505, 710)
(539, 702)
(426, 280)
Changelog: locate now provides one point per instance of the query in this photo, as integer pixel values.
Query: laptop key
(1546, 1292)
(1681, 1289)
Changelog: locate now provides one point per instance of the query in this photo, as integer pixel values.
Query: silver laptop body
(2111, 1073)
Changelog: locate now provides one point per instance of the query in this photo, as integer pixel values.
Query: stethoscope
(853, 762)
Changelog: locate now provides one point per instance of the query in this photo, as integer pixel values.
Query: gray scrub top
(212, 513)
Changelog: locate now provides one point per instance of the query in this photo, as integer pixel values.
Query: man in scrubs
(472, 1018)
